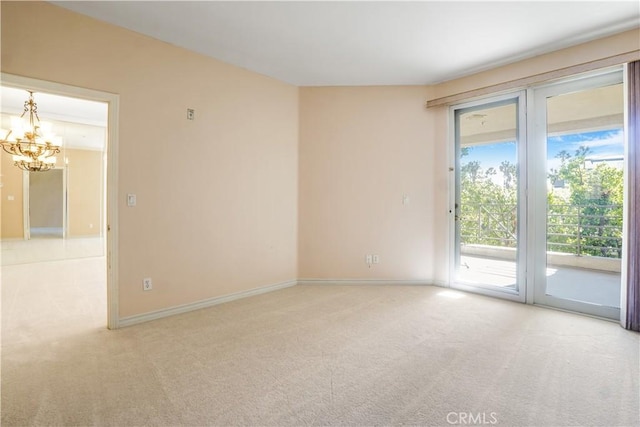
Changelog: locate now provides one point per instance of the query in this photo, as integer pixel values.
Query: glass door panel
(583, 190)
(487, 200)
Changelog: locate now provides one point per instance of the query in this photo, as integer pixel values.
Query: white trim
(197, 305)
(110, 225)
(365, 282)
(26, 218)
(452, 188)
(112, 100)
(524, 287)
(65, 199)
(625, 204)
(441, 283)
(533, 223)
(490, 291)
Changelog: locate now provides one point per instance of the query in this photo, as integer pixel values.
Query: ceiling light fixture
(32, 143)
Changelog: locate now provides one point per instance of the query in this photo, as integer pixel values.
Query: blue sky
(601, 143)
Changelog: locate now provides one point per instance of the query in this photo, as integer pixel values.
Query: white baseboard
(441, 283)
(360, 282)
(197, 305)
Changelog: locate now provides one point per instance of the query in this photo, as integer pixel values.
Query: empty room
(264, 213)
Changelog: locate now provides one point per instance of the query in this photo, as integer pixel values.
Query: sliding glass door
(537, 209)
(488, 198)
(579, 194)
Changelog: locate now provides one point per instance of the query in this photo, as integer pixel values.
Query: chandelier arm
(37, 166)
(6, 137)
(24, 149)
(51, 150)
(9, 148)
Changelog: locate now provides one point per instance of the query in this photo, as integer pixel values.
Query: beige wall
(85, 189)
(84, 186)
(218, 219)
(11, 210)
(361, 151)
(442, 182)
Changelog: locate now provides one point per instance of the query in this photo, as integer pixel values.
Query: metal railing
(588, 229)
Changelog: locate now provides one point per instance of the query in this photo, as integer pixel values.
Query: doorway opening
(62, 218)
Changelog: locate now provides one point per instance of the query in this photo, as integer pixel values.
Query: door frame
(111, 224)
(26, 218)
(520, 96)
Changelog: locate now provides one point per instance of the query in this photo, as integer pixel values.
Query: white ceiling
(315, 43)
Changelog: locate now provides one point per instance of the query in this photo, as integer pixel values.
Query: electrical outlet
(147, 285)
(376, 259)
(368, 259)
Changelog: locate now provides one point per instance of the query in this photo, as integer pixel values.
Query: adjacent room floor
(308, 355)
(49, 248)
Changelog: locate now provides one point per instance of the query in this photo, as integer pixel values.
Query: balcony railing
(588, 229)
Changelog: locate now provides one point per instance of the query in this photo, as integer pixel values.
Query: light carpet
(329, 355)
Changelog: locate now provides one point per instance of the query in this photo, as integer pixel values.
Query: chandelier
(31, 142)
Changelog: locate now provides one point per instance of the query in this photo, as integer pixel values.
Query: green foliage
(587, 221)
(584, 212)
(488, 213)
